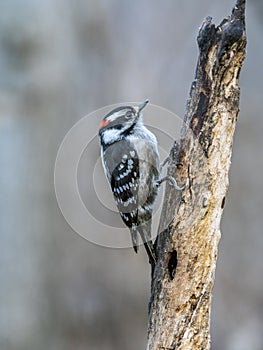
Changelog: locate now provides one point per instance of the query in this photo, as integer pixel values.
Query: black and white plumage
(131, 163)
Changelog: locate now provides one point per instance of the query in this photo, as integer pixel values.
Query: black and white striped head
(119, 122)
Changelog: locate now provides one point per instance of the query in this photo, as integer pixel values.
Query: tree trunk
(189, 232)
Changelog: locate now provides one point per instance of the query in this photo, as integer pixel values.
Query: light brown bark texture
(189, 232)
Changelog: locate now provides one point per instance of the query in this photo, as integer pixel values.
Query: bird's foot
(171, 181)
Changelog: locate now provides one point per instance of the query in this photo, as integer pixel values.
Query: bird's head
(119, 122)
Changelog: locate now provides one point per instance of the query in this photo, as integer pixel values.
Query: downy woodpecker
(131, 163)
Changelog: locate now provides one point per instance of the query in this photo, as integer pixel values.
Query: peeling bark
(189, 232)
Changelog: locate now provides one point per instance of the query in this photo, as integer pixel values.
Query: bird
(131, 162)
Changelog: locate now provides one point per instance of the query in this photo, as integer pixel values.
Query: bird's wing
(124, 185)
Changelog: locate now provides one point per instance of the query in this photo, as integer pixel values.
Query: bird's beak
(142, 105)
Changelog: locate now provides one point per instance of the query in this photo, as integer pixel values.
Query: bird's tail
(145, 233)
(135, 239)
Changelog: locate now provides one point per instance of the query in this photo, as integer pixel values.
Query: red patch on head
(104, 123)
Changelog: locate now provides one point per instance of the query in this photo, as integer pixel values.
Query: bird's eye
(128, 115)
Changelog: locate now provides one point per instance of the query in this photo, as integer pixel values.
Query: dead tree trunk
(182, 284)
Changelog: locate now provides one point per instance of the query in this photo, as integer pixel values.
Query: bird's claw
(171, 181)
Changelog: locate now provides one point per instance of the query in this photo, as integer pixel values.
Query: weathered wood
(179, 313)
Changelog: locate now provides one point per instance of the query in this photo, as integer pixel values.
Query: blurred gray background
(60, 60)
